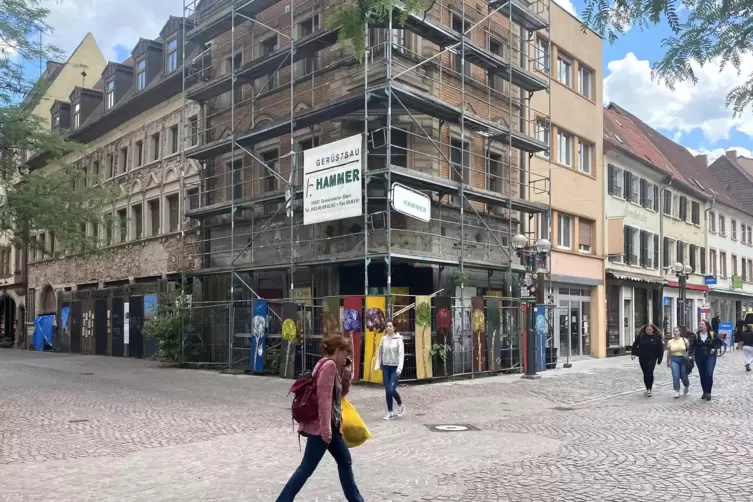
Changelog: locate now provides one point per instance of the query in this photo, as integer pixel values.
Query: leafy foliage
(352, 20)
(172, 319)
(59, 198)
(717, 32)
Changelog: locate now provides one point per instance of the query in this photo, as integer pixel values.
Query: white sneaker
(401, 410)
(388, 416)
(685, 391)
(677, 394)
(647, 393)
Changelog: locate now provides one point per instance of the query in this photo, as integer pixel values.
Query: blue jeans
(706, 365)
(679, 372)
(315, 448)
(389, 374)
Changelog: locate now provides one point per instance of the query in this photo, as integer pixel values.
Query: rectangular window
(543, 134)
(173, 217)
(303, 145)
(462, 28)
(667, 207)
(154, 217)
(123, 160)
(108, 233)
(723, 263)
(733, 260)
(269, 46)
(172, 55)
(585, 156)
(110, 166)
(139, 155)
(680, 252)
(565, 70)
(635, 189)
(123, 224)
(733, 226)
(543, 57)
(564, 148)
(76, 115)
(270, 158)
(585, 81)
(744, 270)
(174, 135)
(565, 231)
(695, 213)
(616, 180)
(713, 262)
(703, 260)
(141, 75)
(495, 81)
(235, 187)
(138, 221)
(542, 226)
(585, 235)
(95, 172)
(750, 270)
(193, 131)
(722, 226)
(750, 235)
(692, 259)
(311, 62)
(683, 208)
(460, 170)
(110, 95)
(712, 221)
(743, 233)
(155, 146)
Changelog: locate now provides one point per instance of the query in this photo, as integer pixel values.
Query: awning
(636, 277)
(733, 292)
(694, 287)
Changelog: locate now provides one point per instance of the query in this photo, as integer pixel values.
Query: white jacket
(391, 352)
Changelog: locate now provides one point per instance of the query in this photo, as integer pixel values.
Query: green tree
(717, 32)
(57, 198)
(171, 320)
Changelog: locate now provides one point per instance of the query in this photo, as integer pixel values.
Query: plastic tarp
(65, 312)
(44, 327)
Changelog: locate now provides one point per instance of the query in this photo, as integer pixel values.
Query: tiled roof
(693, 173)
(733, 174)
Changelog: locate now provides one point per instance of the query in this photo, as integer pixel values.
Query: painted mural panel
(423, 338)
(442, 346)
(375, 323)
(352, 329)
(260, 312)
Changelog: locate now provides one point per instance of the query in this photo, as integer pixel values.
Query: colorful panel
(331, 320)
(375, 323)
(352, 329)
(290, 339)
(258, 331)
(442, 358)
(493, 338)
(462, 350)
(478, 319)
(423, 337)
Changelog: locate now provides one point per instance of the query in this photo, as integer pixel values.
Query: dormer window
(76, 115)
(141, 74)
(110, 95)
(172, 55)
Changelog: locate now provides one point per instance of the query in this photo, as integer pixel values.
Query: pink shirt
(325, 373)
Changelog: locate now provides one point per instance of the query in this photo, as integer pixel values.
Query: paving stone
(85, 428)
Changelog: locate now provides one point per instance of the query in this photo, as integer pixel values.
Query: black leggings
(647, 366)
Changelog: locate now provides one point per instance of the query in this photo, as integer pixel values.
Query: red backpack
(305, 407)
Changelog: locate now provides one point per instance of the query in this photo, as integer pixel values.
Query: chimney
(702, 161)
(731, 154)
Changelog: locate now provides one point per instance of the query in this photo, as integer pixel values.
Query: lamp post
(682, 272)
(531, 257)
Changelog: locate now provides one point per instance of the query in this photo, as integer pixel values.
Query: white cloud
(112, 22)
(688, 107)
(715, 153)
(567, 5)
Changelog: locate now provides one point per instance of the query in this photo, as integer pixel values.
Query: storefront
(696, 296)
(632, 303)
(573, 325)
(729, 306)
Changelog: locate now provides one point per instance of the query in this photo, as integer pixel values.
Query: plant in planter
(441, 351)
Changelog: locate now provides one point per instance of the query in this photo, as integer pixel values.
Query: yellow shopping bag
(355, 432)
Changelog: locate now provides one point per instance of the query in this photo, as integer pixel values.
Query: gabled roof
(693, 172)
(734, 173)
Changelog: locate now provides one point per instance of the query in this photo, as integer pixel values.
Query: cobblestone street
(109, 429)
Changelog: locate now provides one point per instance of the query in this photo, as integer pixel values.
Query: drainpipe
(524, 194)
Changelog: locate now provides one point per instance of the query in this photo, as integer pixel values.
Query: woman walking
(746, 342)
(332, 376)
(390, 356)
(677, 354)
(704, 347)
(649, 347)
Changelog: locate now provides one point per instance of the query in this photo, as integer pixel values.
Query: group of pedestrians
(684, 352)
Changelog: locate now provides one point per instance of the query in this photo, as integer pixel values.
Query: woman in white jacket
(390, 357)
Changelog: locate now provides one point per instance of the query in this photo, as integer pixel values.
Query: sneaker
(708, 397)
(747, 367)
(704, 396)
(389, 416)
(401, 410)
(677, 394)
(647, 393)
(685, 391)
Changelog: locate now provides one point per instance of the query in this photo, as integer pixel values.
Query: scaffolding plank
(517, 75)
(203, 91)
(217, 20)
(521, 13)
(248, 202)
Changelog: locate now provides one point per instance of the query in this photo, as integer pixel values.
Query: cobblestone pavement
(108, 429)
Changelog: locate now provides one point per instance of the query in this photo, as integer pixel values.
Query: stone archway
(48, 303)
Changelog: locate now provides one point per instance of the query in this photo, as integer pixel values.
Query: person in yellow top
(677, 359)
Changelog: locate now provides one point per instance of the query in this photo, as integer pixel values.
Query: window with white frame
(616, 181)
(713, 263)
(543, 134)
(564, 148)
(585, 235)
(733, 226)
(585, 81)
(667, 207)
(712, 222)
(76, 115)
(635, 189)
(110, 94)
(565, 231)
(585, 154)
(722, 264)
(543, 57)
(141, 74)
(542, 227)
(722, 226)
(172, 55)
(565, 70)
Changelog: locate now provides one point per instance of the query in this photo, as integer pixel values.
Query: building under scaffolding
(441, 100)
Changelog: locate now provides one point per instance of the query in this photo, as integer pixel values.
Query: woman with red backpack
(323, 428)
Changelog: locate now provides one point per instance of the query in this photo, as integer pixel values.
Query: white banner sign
(332, 187)
(126, 323)
(411, 203)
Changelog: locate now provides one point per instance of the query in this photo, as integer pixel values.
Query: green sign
(737, 282)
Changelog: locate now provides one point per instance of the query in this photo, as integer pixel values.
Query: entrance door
(117, 327)
(575, 328)
(628, 330)
(100, 327)
(76, 320)
(585, 328)
(135, 322)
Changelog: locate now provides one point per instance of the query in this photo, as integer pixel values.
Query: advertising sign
(411, 203)
(332, 184)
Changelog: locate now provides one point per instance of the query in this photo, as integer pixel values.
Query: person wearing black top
(649, 347)
(704, 347)
(745, 339)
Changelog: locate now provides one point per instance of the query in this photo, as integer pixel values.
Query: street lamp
(682, 272)
(530, 256)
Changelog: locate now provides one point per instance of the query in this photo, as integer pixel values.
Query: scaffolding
(442, 100)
